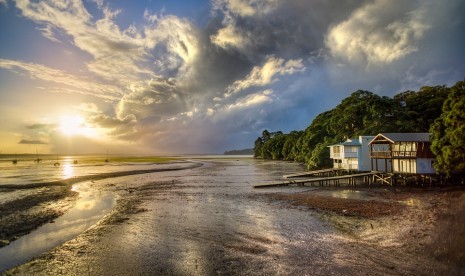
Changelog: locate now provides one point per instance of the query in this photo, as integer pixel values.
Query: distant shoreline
(74, 180)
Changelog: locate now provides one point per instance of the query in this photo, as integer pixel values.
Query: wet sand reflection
(89, 209)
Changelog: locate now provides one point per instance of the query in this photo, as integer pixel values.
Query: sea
(32, 169)
(25, 175)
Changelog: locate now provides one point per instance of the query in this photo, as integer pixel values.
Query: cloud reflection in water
(89, 209)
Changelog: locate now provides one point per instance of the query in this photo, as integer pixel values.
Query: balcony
(404, 153)
(343, 155)
(381, 154)
(350, 154)
(395, 154)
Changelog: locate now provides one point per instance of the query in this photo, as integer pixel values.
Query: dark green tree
(320, 156)
(289, 144)
(275, 146)
(421, 108)
(448, 133)
(314, 134)
(266, 146)
(257, 150)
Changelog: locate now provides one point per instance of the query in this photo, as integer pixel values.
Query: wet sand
(24, 208)
(20, 216)
(210, 221)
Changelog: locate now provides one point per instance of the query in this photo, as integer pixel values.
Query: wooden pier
(351, 180)
(325, 172)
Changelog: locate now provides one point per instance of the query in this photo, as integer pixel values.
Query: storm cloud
(176, 86)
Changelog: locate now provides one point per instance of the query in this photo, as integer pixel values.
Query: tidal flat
(205, 218)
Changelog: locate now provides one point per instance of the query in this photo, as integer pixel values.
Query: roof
(404, 137)
(351, 142)
(348, 142)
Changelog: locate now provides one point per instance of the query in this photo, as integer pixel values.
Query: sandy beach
(208, 220)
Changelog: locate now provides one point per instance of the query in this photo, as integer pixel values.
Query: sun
(75, 125)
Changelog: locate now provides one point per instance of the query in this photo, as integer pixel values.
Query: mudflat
(209, 220)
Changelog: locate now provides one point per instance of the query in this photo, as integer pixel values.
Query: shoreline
(418, 229)
(49, 200)
(415, 219)
(74, 180)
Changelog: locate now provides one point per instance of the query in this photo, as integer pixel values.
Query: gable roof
(348, 142)
(403, 137)
(351, 142)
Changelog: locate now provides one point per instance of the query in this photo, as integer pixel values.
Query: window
(351, 149)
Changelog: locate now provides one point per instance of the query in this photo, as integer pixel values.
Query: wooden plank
(309, 173)
(311, 180)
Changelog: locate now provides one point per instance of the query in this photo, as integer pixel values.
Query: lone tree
(448, 133)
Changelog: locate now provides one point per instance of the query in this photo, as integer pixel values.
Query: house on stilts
(352, 154)
(391, 157)
(402, 153)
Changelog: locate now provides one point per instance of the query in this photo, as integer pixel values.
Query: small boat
(14, 161)
(38, 160)
(56, 164)
(106, 159)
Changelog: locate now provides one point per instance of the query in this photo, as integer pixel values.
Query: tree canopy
(448, 133)
(362, 113)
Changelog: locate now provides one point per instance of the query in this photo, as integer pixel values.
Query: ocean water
(28, 171)
(27, 177)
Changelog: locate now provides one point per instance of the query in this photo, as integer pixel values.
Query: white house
(353, 154)
(402, 153)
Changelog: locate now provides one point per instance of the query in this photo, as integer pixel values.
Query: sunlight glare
(75, 125)
(68, 171)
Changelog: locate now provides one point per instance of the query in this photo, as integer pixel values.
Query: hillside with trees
(365, 113)
(448, 134)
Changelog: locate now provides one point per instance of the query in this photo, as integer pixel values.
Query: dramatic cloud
(389, 36)
(265, 75)
(68, 82)
(115, 51)
(253, 99)
(230, 37)
(159, 82)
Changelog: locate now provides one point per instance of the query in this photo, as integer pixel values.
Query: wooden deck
(351, 179)
(325, 172)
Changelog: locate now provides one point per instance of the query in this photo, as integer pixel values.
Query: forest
(436, 109)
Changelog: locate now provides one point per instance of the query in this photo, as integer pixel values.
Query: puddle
(89, 209)
(347, 194)
(414, 202)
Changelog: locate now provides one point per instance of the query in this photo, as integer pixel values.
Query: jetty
(324, 172)
(350, 179)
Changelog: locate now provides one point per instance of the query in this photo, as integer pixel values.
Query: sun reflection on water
(68, 171)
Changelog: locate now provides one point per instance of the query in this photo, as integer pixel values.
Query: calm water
(89, 209)
(27, 171)
(91, 206)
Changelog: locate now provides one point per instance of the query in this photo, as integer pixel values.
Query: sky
(198, 77)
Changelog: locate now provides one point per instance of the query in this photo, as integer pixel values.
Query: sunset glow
(75, 125)
(210, 75)
(72, 125)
